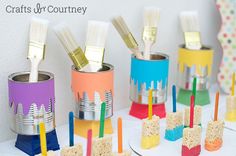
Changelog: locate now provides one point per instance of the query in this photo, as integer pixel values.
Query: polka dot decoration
(227, 38)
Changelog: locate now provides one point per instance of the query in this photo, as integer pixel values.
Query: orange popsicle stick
(216, 106)
(120, 139)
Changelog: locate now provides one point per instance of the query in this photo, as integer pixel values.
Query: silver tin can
(194, 63)
(31, 103)
(149, 74)
(90, 90)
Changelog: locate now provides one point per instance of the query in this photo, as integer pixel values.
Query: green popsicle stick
(102, 120)
(194, 87)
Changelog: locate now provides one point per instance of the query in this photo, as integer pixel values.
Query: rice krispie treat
(230, 108)
(174, 126)
(76, 150)
(191, 145)
(150, 132)
(102, 146)
(125, 153)
(49, 153)
(174, 119)
(197, 116)
(214, 135)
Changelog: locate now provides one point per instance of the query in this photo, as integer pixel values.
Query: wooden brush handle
(34, 70)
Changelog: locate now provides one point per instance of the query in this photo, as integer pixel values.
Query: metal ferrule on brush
(78, 58)
(36, 50)
(130, 41)
(192, 39)
(149, 34)
(95, 55)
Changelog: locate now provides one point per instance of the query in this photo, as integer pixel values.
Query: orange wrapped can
(90, 89)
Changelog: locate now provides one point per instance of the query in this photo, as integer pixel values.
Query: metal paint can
(31, 103)
(90, 89)
(149, 74)
(194, 63)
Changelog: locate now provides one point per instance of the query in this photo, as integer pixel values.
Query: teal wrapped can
(145, 75)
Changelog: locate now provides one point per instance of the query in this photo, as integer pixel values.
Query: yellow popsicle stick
(233, 83)
(150, 104)
(43, 143)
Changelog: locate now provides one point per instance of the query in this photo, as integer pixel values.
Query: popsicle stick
(150, 104)
(89, 142)
(102, 120)
(194, 87)
(191, 112)
(216, 106)
(43, 141)
(120, 136)
(174, 97)
(71, 129)
(233, 83)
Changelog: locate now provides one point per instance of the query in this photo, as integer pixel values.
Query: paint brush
(74, 51)
(191, 28)
(36, 52)
(126, 35)
(151, 19)
(95, 43)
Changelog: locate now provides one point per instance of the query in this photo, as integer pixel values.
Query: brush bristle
(38, 30)
(120, 25)
(190, 21)
(151, 16)
(97, 33)
(65, 36)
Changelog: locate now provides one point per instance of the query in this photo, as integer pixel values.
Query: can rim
(11, 77)
(204, 47)
(166, 57)
(111, 68)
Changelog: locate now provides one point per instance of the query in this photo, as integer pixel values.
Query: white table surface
(132, 129)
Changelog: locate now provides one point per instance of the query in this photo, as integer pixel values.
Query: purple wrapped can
(31, 103)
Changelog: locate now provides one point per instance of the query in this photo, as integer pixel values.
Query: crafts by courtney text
(39, 9)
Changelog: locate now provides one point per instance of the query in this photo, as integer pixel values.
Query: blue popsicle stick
(71, 128)
(174, 97)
